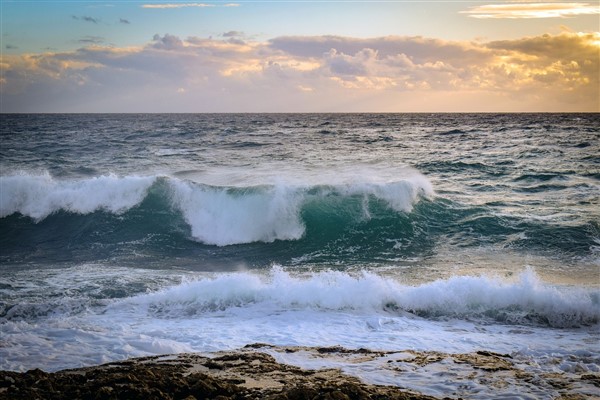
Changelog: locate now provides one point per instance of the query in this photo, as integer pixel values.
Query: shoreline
(263, 371)
(247, 373)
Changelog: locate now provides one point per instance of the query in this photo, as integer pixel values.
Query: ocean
(125, 235)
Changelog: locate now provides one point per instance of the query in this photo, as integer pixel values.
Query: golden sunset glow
(533, 10)
(547, 71)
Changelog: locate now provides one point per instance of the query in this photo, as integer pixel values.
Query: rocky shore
(244, 374)
(262, 371)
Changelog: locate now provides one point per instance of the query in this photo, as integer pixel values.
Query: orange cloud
(542, 73)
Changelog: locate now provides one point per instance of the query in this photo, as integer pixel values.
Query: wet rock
(245, 374)
(485, 360)
(594, 379)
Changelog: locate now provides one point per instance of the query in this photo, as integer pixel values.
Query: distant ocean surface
(137, 234)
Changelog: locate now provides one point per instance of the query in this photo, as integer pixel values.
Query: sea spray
(38, 196)
(126, 245)
(224, 216)
(524, 300)
(216, 215)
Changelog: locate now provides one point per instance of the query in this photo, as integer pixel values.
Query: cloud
(532, 10)
(319, 73)
(349, 65)
(569, 45)
(167, 42)
(124, 21)
(234, 37)
(91, 40)
(421, 49)
(569, 60)
(187, 5)
(86, 19)
(176, 5)
(233, 34)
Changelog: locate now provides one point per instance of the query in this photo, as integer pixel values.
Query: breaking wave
(38, 196)
(216, 215)
(525, 301)
(370, 221)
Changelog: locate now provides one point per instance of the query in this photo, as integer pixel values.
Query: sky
(299, 56)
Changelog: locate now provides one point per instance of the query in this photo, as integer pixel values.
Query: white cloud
(532, 10)
(305, 89)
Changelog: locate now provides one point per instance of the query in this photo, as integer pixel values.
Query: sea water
(136, 234)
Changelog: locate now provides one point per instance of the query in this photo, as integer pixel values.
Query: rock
(244, 374)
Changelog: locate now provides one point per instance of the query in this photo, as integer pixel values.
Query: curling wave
(216, 215)
(98, 218)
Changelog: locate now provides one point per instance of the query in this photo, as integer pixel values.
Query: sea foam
(217, 215)
(225, 215)
(524, 301)
(38, 196)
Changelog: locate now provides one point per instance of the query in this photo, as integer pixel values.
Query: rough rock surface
(244, 374)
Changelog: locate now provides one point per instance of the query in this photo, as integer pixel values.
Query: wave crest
(217, 215)
(38, 196)
(225, 216)
(527, 301)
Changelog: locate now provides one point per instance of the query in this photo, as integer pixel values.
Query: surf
(365, 220)
(216, 215)
(524, 300)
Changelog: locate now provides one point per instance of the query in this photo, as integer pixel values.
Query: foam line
(526, 300)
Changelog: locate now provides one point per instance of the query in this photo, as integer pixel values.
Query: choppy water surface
(126, 235)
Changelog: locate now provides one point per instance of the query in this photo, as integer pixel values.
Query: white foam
(224, 311)
(217, 215)
(399, 195)
(38, 196)
(224, 216)
(457, 297)
(465, 295)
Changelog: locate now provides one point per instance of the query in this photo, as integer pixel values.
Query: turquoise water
(137, 234)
